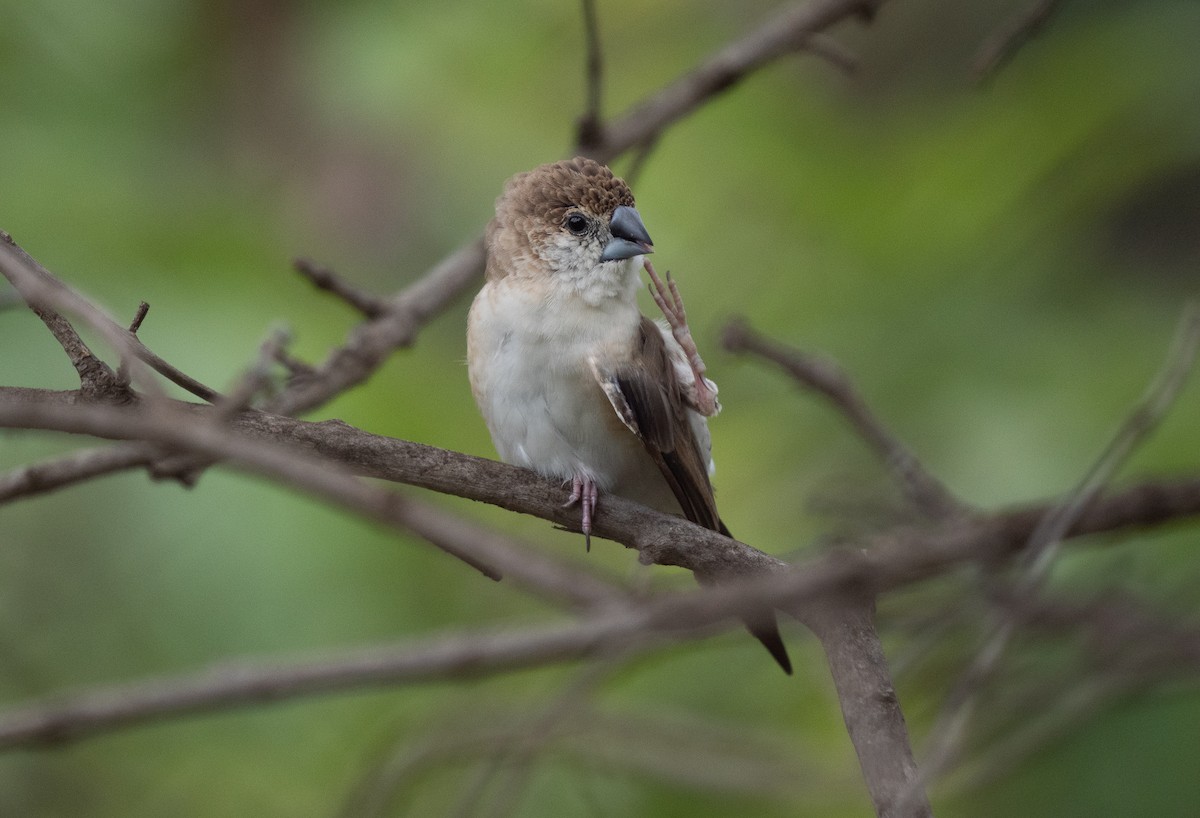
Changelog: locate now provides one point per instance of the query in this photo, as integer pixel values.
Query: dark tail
(764, 628)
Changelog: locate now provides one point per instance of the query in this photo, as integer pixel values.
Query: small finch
(572, 380)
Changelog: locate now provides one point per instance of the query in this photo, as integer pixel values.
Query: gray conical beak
(629, 236)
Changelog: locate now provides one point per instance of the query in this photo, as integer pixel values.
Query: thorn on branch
(139, 317)
(325, 279)
(134, 326)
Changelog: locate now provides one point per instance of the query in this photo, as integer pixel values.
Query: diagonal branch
(325, 279)
(784, 33)
(38, 286)
(31, 280)
(827, 379)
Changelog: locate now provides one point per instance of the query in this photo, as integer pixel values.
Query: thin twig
(326, 279)
(374, 340)
(827, 379)
(59, 472)
(1004, 43)
(244, 684)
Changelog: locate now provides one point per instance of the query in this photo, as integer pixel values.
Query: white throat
(594, 282)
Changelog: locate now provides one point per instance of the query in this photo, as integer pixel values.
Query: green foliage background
(999, 267)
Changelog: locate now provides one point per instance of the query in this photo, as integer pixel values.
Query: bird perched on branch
(572, 380)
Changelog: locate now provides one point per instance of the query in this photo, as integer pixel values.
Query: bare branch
(172, 373)
(307, 467)
(888, 559)
(243, 684)
(826, 378)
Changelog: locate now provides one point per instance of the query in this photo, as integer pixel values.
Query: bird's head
(572, 222)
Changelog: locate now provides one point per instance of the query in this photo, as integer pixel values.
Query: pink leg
(584, 492)
(667, 297)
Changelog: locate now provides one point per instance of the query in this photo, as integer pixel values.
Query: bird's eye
(577, 223)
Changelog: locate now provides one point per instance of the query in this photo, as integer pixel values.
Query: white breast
(528, 359)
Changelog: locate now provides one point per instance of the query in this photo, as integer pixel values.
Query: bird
(572, 380)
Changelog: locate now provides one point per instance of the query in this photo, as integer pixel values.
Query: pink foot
(666, 296)
(584, 492)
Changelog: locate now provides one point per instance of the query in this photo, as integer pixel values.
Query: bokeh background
(999, 266)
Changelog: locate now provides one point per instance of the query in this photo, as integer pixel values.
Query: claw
(666, 296)
(584, 492)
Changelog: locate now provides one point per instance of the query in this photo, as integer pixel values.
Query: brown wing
(649, 400)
